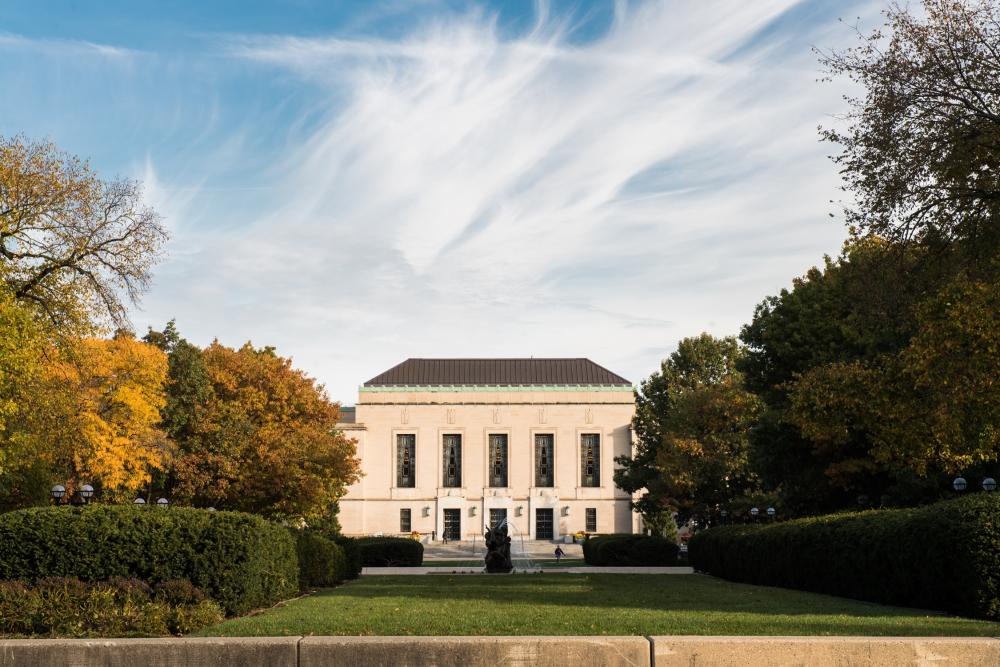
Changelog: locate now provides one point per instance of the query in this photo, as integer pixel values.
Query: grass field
(590, 604)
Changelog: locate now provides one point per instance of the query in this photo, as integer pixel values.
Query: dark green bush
(630, 550)
(944, 556)
(178, 591)
(352, 555)
(321, 561)
(68, 607)
(390, 552)
(239, 560)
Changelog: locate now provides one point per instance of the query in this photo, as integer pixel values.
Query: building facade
(450, 446)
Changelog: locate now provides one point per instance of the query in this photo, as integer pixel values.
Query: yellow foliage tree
(96, 415)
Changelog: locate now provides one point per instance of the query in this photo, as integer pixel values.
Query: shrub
(944, 556)
(240, 560)
(321, 561)
(629, 550)
(352, 555)
(68, 607)
(178, 591)
(18, 607)
(184, 619)
(390, 552)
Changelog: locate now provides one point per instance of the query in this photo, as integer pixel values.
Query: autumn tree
(76, 248)
(691, 425)
(920, 150)
(253, 433)
(92, 418)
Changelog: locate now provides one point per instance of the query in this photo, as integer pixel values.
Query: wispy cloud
(459, 192)
(62, 47)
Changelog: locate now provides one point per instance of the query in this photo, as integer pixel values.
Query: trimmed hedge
(321, 561)
(239, 560)
(390, 552)
(944, 556)
(630, 550)
(352, 553)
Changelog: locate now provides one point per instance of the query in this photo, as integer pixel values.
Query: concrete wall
(492, 651)
(373, 504)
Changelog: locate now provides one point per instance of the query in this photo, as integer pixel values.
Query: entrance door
(497, 516)
(543, 524)
(453, 524)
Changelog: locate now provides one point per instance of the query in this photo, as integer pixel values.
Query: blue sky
(361, 182)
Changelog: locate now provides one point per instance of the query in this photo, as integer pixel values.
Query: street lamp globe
(989, 484)
(86, 491)
(960, 484)
(58, 491)
(724, 513)
(771, 512)
(162, 502)
(754, 512)
(139, 501)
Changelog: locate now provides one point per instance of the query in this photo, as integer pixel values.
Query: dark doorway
(543, 524)
(453, 524)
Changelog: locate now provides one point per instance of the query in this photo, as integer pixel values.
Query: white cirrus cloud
(462, 192)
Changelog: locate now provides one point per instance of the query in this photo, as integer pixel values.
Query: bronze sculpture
(498, 549)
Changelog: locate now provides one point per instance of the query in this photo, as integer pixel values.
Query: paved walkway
(546, 570)
(471, 550)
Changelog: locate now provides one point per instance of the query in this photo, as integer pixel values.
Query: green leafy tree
(691, 425)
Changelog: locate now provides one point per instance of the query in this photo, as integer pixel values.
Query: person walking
(559, 553)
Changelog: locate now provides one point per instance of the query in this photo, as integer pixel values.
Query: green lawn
(586, 604)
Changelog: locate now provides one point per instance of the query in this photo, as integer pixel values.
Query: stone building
(448, 446)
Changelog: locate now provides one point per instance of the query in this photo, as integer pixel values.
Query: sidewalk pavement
(537, 570)
(474, 549)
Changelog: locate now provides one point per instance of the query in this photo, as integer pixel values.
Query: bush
(944, 556)
(68, 607)
(240, 560)
(630, 550)
(352, 555)
(321, 561)
(390, 552)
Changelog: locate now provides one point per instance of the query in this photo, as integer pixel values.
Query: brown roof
(497, 372)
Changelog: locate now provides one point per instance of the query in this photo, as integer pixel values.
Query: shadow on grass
(692, 593)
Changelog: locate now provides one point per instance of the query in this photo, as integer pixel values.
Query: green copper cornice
(495, 388)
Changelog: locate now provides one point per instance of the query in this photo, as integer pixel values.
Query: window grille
(591, 520)
(405, 526)
(498, 460)
(452, 461)
(590, 459)
(405, 454)
(543, 459)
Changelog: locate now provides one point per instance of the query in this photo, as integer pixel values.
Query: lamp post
(58, 492)
(989, 485)
(86, 493)
(771, 512)
(724, 514)
(959, 484)
(162, 502)
(754, 512)
(139, 501)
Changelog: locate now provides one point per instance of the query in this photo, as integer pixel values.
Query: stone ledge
(674, 651)
(474, 651)
(161, 652)
(667, 651)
